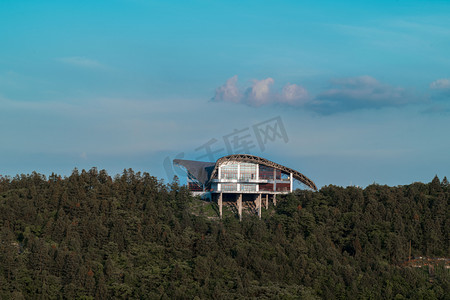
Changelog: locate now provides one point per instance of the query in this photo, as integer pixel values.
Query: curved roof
(199, 169)
(262, 161)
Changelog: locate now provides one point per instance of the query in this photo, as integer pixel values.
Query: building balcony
(225, 180)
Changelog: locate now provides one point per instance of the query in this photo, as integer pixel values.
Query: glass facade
(250, 177)
(229, 187)
(268, 172)
(247, 171)
(266, 187)
(248, 187)
(229, 172)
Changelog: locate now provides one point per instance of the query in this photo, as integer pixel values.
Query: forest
(132, 236)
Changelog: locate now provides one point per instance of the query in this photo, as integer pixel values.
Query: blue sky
(362, 87)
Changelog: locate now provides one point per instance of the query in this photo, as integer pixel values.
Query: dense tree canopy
(92, 236)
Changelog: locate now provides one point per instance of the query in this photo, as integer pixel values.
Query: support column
(220, 205)
(238, 185)
(257, 177)
(219, 176)
(291, 182)
(259, 205)
(240, 206)
(274, 199)
(267, 201)
(274, 180)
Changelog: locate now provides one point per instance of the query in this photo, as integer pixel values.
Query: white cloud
(440, 84)
(293, 94)
(81, 62)
(228, 92)
(259, 93)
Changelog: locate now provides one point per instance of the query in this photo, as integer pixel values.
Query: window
(265, 172)
(248, 187)
(229, 171)
(229, 187)
(247, 171)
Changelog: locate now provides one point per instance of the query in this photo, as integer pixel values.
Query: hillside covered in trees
(133, 237)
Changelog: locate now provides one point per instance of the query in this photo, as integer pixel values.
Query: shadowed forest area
(91, 236)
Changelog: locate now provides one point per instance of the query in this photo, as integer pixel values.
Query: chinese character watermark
(270, 130)
(238, 141)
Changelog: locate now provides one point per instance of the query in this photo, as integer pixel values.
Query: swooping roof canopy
(262, 161)
(205, 171)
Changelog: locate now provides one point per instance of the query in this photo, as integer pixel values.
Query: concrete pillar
(238, 185)
(219, 176)
(274, 180)
(259, 205)
(267, 201)
(291, 182)
(257, 177)
(240, 206)
(274, 199)
(220, 205)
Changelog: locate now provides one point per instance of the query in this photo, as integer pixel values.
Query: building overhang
(205, 172)
(262, 161)
(201, 170)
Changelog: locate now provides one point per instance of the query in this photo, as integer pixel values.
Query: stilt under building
(239, 175)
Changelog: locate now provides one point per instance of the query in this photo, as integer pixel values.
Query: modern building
(241, 177)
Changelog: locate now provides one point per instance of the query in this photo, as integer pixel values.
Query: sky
(348, 93)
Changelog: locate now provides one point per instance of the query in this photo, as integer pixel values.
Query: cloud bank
(440, 94)
(260, 93)
(441, 84)
(363, 92)
(344, 94)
